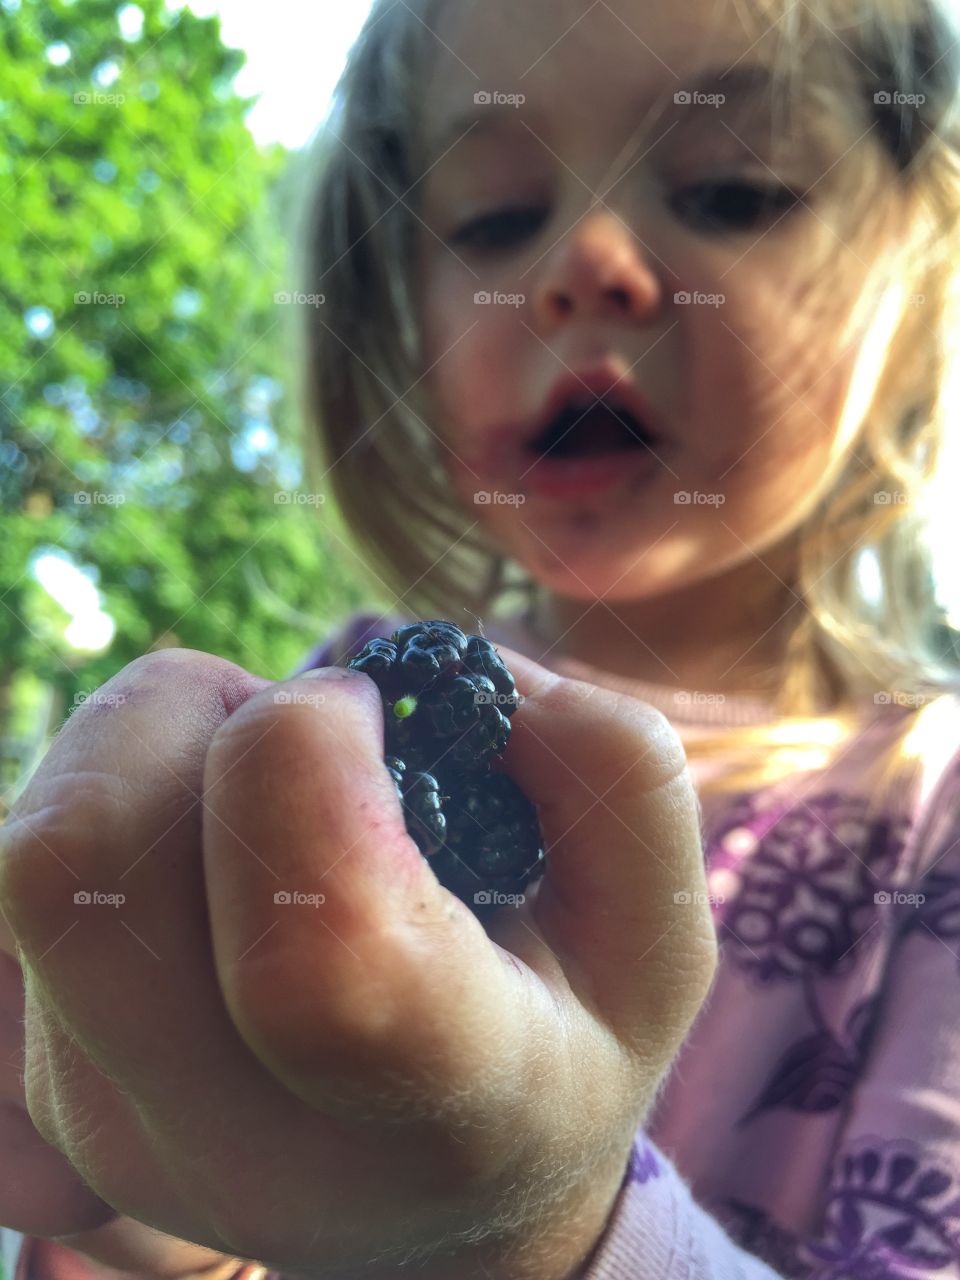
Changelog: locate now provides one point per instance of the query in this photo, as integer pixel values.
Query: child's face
(748, 385)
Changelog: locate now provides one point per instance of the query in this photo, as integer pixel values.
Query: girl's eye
(725, 206)
(498, 230)
(708, 206)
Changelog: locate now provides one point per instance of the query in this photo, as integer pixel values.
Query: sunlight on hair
(933, 735)
(941, 511)
(825, 732)
(807, 744)
(887, 314)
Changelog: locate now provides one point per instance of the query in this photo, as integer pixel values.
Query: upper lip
(599, 383)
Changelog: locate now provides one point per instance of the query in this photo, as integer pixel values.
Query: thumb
(621, 822)
(344, 965)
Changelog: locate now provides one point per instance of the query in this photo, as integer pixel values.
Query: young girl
(682, 386)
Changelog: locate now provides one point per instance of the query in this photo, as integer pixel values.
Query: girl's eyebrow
(743, 81)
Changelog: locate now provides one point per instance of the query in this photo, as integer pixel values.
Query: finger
(41, 1194)
(40, 1191)
(621, 822)
(11, 1031)
(114, 810)
(369, 969)
(110, 816)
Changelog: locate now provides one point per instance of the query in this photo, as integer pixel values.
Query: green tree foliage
(148, 403)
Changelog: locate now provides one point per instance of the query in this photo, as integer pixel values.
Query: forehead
(531, 42)
(594, 59)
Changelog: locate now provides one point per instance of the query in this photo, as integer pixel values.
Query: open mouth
(591, 430)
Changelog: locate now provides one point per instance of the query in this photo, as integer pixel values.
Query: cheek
(776, 376)
(765, 411)
(777, 469)
(473, 356)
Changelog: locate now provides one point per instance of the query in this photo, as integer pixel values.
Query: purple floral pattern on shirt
(818, 1071)
(891, 1212)
(938, 913)
(799, 881)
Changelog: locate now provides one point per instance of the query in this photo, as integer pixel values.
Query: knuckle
(153, 673)
(162, 659)
(616, 731)
(174, 676)
(341, 1026)
(681, 975)
(43, 852)
(288, 721)
(701, 965)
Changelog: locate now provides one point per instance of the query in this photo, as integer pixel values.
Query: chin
(641, 569)
(589, 579)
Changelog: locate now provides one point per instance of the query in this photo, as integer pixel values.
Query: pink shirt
(810, 1125)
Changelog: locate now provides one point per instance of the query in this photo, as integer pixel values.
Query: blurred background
(151, 159)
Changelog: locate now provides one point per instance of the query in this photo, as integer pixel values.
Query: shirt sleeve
(890, 1208)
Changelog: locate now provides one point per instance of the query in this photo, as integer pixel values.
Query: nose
(596, 272)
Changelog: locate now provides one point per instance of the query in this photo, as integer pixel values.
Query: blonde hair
(363, 393)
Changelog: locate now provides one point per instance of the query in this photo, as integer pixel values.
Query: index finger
(95, 874)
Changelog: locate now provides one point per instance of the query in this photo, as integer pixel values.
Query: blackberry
(421, 798)
(454, 726)
(493, 843)
(447, 699)
(412, 658)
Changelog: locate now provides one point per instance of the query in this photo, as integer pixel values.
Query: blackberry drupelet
(493, 840)
(422, 805)
(447, 700)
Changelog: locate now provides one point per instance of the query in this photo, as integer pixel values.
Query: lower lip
(577, 477)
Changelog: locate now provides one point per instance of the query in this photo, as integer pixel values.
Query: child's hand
(42, 1195)
(334, 1088)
